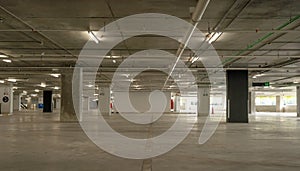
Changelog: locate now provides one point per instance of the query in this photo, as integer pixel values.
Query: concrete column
(203, 101)
(175, 103)
(237, 96)
(252, 102)
(85, 103)
(6, 99)
(104, 100)
(17, 102)
(298, 101)
(57, 103)
(40, 101)
(278, 105)
(67, 108)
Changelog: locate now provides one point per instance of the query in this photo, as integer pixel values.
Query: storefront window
(289, 100)
(265, 100)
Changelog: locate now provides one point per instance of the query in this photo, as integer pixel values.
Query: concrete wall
(291, 108)
(140, 102)
(265, 108)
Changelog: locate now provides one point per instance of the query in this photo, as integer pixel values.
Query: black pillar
(47, 101)
(237, 96)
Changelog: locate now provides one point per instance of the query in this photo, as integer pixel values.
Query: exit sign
(261, 84)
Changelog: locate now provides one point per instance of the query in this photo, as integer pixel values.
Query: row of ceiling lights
(13, 80)
(212, 37)
(5, 58)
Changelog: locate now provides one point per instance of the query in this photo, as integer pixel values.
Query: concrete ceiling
(259, 35)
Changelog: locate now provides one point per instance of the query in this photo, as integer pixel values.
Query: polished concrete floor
(32, 141)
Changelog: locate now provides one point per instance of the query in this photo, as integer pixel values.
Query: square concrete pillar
(237, 96)
(203, 101)
(298, 101)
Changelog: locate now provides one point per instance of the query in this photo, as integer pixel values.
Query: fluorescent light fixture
(37, 90)
(96, 94)
(259, 75)
(15, 88)
(114, 61)
(43, 85)
(215, 36)
(90, 85)
(194, 59)
(254, 76)
(6, 60)
(93, 37)
(3, 56)
(33, 95)
(11, 80)
(2, 81)
(55, 75)
(296, 82)
(126, 75)
(56, 88)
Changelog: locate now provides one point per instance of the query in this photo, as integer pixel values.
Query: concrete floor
(36, 141)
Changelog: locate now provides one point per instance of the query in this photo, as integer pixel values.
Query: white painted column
(57, 103)
(203, 101)
(104, 100)
(6, 99)
(11, 94)
(298, 101)
(175, 103)
(252, 103)
(278, 104)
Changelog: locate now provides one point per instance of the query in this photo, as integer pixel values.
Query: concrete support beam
(104, 100)
(6, 99)
(203, 101)
(17, 102)
(298, 101)
(279, 103)
(67, 110)
(252, 102)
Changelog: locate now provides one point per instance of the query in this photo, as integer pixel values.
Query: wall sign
(5, 99)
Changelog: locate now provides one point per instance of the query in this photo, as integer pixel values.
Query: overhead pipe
(39, 69)
(203, 30)
(196, 17)
(70, 59)
(253, 44)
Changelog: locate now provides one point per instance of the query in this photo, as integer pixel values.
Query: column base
(203, 114)
(67, 117)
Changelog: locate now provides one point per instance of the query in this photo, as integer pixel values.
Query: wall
(140, 102)
(265, 108)
(291, 108)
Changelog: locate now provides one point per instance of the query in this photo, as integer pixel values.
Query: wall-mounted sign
(5, 99)
(261, 84)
